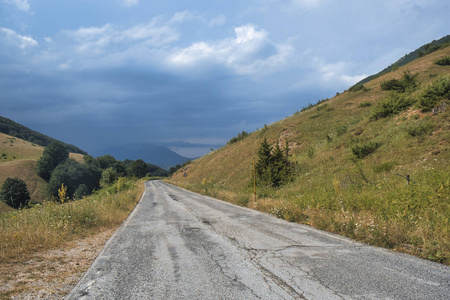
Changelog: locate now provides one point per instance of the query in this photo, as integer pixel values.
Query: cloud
(16, 39)
(20, 4)
(218, 21)
(108, 39)
(183, 16)
(336, 73)
(307, 3)
(250, 51)
(130, 3)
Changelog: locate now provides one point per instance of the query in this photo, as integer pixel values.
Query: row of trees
(81, 179)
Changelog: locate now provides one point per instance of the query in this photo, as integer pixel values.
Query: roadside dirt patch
(51, 274)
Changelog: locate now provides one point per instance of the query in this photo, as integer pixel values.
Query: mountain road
(180, 245)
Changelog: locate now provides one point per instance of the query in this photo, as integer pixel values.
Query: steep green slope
(367, 198)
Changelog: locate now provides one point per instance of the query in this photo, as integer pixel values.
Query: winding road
(180, 245)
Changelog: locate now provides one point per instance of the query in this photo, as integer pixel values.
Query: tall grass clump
(420, 128)
(48, 225)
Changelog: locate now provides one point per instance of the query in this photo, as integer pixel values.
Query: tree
(54, 154)
(14, 192)
(73, 174)
(109, 176)
(273, 167)
(137, 168)
(106, 161)
(262, 167)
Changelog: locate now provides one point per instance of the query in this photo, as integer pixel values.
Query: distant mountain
(148, 152)
(419, 52)
(14, 129)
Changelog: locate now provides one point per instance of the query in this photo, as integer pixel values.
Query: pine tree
(264, 162)
(273, 168)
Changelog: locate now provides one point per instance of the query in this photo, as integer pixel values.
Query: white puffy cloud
(250, 51)
(18, 40)
(20, 4)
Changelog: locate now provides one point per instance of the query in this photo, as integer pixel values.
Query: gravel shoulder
(51, 274)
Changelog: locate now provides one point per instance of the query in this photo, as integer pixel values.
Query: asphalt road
(181, 245)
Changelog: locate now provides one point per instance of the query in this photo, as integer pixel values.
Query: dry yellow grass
(25, 170)
(76, 156)
(50, 225)
(18, 148)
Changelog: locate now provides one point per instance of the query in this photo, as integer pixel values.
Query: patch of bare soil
(51, 274)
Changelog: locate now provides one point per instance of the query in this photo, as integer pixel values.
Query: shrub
(419, 129)
(433, 94)
(81, 191)
(394, 104)
(429, 48)
(14, 192)
(239, 137)
(365, 104)
(109, 176)
(341, 130)
(363, 150)
(445, 61)
(407, 83)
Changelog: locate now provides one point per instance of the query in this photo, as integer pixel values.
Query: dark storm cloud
(107, 74)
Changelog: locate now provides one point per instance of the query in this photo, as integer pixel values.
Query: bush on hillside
(420, 128)
(445, 61)
(239, 137)
(406, 83)
(14, 192)
(394, 104)
(109, 176)
(363, 150)
(433, 94)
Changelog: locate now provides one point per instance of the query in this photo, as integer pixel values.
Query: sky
(192, 74)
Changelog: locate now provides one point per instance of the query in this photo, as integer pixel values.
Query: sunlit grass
(48, 225)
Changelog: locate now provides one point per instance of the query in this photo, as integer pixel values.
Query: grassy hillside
(12, 148)
(18, 158)
(363, 198)
(17, 130)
